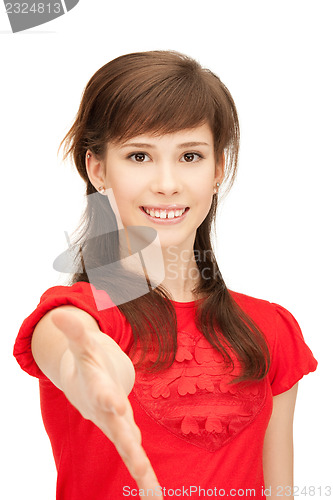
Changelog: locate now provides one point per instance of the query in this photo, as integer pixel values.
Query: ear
(219, 169)
(95, 170)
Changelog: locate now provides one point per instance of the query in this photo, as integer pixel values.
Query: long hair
(163, 92)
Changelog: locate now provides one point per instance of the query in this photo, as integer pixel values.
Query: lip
(166, 207)
(165, 221)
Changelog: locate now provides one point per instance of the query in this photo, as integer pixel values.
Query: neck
(181, 273)
(172, 266)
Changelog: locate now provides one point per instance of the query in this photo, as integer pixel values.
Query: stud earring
(217, 187)
(101, 189)
(88, 155)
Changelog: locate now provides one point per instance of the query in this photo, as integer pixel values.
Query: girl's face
(171, 172)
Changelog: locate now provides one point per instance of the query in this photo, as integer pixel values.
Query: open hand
(89, 373)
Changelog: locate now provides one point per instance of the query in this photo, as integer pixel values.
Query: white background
(274, 229)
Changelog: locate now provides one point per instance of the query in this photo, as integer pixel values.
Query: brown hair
(163, 92)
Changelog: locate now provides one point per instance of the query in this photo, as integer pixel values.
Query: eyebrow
(146, 145)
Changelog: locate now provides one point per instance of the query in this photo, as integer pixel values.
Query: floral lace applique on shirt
(192, 398)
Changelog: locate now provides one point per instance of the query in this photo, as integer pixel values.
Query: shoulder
(87, 297)
(83, 295)
(80, 288)
(258, 309)
(291, 356)
(248, 300)
(271, 318)
(81, 291)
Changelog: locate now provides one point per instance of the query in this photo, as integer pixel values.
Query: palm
(90, 382)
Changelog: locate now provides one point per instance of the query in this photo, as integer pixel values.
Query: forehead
(201, 134)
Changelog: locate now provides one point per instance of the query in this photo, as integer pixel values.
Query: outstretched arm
(278, 452)
(96, 376)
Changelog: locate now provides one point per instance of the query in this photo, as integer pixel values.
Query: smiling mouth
(165, 214)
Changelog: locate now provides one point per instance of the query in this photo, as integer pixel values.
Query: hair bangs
(160, 106)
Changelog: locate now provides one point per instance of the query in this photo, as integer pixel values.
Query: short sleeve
(291, 357)
(79, 295)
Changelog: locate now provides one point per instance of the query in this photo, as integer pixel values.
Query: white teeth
(163, 214)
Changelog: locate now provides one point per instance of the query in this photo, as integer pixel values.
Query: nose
(167, 180)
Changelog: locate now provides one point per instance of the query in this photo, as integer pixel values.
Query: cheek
(126, 182)
(204, 192)
(117, 181)
(126, 196)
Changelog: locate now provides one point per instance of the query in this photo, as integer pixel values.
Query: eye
(139, 157)
(192, 157)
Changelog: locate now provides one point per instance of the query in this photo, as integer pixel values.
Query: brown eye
(139, 157)
(191, 157)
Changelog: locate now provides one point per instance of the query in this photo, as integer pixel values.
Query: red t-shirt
(203, 437)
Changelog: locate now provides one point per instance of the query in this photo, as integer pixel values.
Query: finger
(139, 467)
(126, 436)
(142, 471)
(149, 482)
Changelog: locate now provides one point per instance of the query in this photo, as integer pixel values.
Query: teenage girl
(155, 378)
